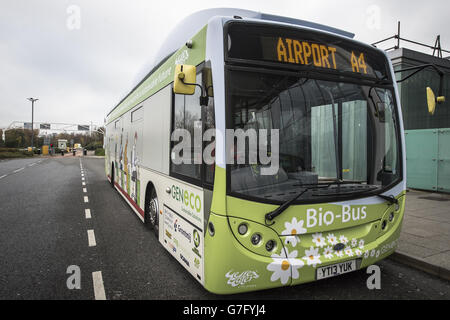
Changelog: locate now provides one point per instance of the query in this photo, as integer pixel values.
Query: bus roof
(194, 22)
(190, 25)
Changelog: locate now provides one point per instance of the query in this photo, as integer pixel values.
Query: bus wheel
(152, 210)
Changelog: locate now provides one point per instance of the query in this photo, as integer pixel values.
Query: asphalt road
(44, 230)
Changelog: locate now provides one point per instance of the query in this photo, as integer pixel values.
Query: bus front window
(330, 133)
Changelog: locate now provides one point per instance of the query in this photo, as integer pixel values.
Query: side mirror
(185, 79)
(431, 100)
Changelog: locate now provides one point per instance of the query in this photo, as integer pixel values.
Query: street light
(32, 120)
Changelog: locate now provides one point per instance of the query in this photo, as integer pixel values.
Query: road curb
(421, 264)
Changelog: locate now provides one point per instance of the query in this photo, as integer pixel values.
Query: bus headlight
(270, 245)
(391, 216)
(256, 239)
(242, 229)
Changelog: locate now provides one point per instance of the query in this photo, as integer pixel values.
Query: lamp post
(32, 120)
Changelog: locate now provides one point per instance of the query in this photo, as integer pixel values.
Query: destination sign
(303, 48)
(318, 55)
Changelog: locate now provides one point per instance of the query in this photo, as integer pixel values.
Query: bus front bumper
(231, 268)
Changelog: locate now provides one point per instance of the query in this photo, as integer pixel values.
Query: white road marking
(82, 178)
(18, 170)
(99, 289)
(83, 183)
(86, 199)
(3, 176)
(88, 213)
(30, 165)
(91, 238)
(84, 190)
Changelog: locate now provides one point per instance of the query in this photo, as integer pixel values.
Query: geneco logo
(189, 199)
(237, 279)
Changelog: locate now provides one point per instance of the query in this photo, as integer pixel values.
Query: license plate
(335, 269)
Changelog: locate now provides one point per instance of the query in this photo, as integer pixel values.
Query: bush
(9, 150)
(8, 153)
(94, 145)
(100, 152)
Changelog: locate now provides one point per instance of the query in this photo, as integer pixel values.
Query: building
(427, 136)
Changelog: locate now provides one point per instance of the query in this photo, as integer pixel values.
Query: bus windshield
(337, 134)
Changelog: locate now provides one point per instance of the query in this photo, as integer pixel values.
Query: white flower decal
(328, 252)
(292, 230)
(339, 253)
(366, 254)
(348, 251)
(358, 252)
(332, 239)
(283, 267)
(343, 239)
(312, 256)
(378, 253)
(354, 242)
(361, 243)
(318, 240)
(372, 253)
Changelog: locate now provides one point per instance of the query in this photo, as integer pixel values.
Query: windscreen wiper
(275, 213)
(390, 198)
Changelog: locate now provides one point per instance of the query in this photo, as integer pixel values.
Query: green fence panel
(422, 159)
(443, 177)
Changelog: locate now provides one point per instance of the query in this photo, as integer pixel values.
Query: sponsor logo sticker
(236, 279)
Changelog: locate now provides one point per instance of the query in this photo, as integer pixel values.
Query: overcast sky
(80, 68)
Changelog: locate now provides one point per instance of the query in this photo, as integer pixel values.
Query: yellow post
(45, 150)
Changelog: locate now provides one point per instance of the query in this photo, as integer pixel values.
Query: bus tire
(152, 210)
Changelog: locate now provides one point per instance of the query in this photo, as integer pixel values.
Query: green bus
(335, 199)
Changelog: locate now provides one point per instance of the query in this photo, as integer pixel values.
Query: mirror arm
(203, 97)
(420, 68)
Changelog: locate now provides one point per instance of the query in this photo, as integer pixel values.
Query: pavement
(425, 237)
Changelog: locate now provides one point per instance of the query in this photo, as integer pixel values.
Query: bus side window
(188, 116)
